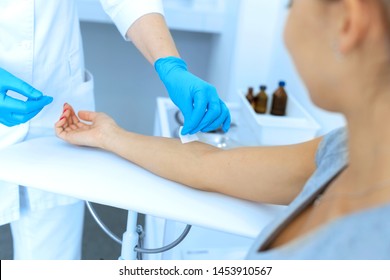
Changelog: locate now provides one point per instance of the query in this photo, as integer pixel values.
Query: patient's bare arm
(262, 174)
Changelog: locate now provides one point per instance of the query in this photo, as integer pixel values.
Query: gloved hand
(14, 111)
(197, 100)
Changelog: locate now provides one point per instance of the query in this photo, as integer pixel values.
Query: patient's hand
(96, 128)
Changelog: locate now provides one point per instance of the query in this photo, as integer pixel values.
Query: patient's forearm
(263, 174)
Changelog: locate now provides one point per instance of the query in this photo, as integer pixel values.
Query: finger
(29, 106)
(70, 114)
(75, 119)
(186, 109)
(88, 116)
(223, 120)
(47, 100)
(66, 117)
(80, 125)
(8, 123)
(67, 107)
(63, 129)
(15, 84)
(226, 124)
(212, 114)
(58, 126)
(199, 110)
(60, 123)
(66, 112)
(73, 126)
(25, 117)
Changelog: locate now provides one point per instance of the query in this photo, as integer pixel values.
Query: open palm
(86, 129)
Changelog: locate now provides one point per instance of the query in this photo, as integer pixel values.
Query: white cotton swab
(187, 138)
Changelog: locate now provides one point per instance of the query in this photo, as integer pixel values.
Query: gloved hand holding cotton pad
(188, 137)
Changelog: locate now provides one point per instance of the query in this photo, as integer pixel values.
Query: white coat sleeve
(125, 12)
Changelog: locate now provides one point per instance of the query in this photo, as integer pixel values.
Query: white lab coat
(40, 43)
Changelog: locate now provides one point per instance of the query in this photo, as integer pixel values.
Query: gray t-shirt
(360, 235)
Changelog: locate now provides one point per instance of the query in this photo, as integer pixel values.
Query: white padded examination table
(50, 164)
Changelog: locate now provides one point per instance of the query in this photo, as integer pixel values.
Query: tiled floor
(96, 244)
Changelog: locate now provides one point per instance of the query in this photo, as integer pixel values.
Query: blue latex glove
(14, 111)
(199, 102)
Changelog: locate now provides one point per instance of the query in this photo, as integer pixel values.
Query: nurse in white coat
(40, 45)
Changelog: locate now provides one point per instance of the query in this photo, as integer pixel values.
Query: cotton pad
(187, 138)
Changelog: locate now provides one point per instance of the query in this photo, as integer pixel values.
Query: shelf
(296, 127)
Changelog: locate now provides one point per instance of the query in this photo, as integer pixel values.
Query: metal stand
(132, 241)
(130, 238)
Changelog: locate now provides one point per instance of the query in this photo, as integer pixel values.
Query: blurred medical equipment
(217, 137)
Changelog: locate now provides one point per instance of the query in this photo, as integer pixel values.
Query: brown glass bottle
(279, 101)
(250, 97)
(261, 101)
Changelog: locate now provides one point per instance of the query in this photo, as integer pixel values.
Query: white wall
(255, 33)
(242, 53)
(282, 68)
